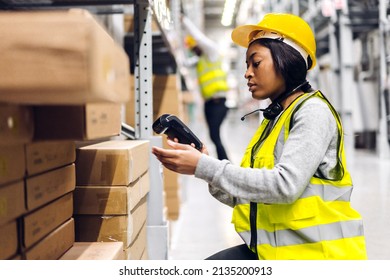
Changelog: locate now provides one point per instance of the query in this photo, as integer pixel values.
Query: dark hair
(197, 50)
(288, 62)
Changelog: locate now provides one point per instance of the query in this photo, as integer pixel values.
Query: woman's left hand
(182, 158)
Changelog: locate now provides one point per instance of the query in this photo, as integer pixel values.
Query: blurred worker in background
(212, 82)
(291, 194)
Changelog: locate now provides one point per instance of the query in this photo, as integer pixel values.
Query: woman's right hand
(181, 158)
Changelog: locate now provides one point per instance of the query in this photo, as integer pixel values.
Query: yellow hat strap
(277, 36)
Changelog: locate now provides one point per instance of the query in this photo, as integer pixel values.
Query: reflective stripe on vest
(212, 78)
(320, 224)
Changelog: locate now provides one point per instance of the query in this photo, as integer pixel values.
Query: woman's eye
(253, 64)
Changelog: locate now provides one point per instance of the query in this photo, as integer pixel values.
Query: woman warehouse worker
(291, 194)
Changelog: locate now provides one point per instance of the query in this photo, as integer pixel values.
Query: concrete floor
(204, 227)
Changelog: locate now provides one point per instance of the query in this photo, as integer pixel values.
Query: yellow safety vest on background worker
(320, 224)
(212, 78)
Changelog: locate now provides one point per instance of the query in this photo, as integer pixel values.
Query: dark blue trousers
(215, 112)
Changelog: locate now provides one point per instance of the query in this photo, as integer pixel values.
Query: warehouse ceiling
(213, 12)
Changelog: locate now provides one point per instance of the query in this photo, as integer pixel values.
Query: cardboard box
(60, 57)
(8, 240)
(172, 191)
(12, 201)
(171, 178)
(108, 200)
(12, 163)
(173, 205)
(138, 247)
(46, 187)
(112, 163)
(54, 245)
(84, 122)
(102, 228)
(41, 222)
(16, 123)
(95, 251)
(46, 155)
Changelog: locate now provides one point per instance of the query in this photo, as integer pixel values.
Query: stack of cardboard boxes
(15, 131)
(110, 197)
(62, 78)
(49, 183)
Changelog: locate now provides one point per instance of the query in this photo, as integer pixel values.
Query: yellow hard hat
(190, 41)
(290, 29)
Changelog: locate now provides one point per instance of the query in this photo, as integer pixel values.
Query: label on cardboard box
(41, 222)
(54, 245)
(43, 188)
(46, 155)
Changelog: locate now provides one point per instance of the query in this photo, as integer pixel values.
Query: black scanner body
(173, 127)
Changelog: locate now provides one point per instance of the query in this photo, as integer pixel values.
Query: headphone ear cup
(272, 111)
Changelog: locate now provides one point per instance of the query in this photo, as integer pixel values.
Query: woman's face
(263, 81)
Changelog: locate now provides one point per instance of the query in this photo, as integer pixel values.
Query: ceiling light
(228, 12)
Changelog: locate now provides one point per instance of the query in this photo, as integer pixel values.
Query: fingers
(182, 158)
(179, 146)
(166, 157)
(174, 139)
(204, 149)
(163, 153)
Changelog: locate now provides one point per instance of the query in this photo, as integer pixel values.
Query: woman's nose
(248, 74)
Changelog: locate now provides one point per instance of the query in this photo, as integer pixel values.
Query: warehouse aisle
(204, 227)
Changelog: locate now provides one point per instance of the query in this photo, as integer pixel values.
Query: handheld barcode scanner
(175, 128)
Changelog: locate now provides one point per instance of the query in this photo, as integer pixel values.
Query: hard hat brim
(240, 35)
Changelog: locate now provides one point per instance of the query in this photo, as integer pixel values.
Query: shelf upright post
(157, 228)
(143, 70)
(384, 82)
(345, 39)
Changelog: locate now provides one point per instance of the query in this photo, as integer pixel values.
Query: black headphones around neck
(275, 108)
(272, 111)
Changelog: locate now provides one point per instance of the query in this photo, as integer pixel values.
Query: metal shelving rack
(157, 227)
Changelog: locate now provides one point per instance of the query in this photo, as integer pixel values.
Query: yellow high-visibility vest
(320, 224)
(212, 78)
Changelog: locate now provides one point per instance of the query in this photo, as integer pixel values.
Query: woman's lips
(251, 86)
